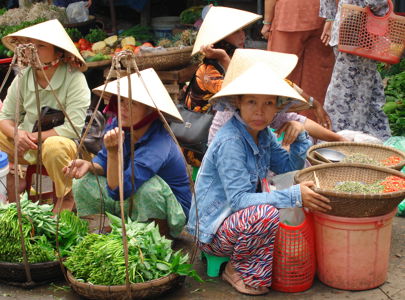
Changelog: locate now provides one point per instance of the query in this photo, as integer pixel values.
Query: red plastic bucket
(353, 253)
(294, 257)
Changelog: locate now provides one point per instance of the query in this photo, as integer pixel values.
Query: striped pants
(247, 237)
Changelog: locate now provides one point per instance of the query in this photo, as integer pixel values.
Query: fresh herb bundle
(39, 231)
(99, 259)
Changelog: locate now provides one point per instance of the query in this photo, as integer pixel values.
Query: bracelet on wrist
(330, 20)
(311, 102)
(266, 22)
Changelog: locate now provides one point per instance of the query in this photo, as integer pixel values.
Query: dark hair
(228, 47)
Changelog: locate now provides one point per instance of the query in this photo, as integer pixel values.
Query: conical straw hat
(219, 23)
(260, 72)
(51, 32)
(154, 89)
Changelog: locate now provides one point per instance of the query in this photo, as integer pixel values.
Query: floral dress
(355, 95)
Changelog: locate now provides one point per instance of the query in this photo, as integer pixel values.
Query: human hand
(291, 130)
(210, 52)
(266, 31)
(322, 116)
(77, 168)
(313, 200)
(326, 33)
(88, 4)
(26, 141)
(111, 139)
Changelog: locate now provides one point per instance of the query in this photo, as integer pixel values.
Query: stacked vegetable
(39, 230)
(99, 259)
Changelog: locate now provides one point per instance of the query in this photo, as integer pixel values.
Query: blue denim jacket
(229, 176)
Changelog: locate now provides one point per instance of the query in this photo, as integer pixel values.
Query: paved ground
(394, 287)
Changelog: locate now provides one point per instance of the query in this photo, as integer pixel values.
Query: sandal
(234, 279)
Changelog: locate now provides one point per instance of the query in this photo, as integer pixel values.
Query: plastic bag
(359, 137)
(77, 12)
(292, 216)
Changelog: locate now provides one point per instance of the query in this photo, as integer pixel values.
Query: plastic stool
(213, 263)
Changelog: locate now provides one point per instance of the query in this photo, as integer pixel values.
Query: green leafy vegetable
(141, 33)
(96, 35)
(39, 230)
(74, 34)
(99, 259)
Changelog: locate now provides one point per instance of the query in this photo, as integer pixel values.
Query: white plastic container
(4, 169)
(163, 26)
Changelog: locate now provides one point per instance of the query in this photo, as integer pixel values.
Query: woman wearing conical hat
(237, 218)
(161, 191)
(61, 64)
(219, 35)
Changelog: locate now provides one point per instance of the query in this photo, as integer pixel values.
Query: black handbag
(94, 138)
(193, 133)
(50, 118)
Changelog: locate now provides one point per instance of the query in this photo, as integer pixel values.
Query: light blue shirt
(229, 175)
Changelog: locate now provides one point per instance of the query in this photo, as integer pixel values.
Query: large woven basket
(165, 60)
(149, 289)
(41, 273)
(376, 152)
(354, 205)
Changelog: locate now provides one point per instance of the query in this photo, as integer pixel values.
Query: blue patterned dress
(355, 95)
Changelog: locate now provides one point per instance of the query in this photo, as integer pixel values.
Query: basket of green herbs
(356, 190)
(363, 153)
(39, 231)
(96, 266)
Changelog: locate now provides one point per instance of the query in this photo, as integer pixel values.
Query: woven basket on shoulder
(148, 289)
(164, 60)
(41, 273)
(374, 151)
(354, 205)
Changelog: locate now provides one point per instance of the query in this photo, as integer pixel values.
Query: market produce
(99, 259)
(359, 187)
(394, 107)
(74, 34)
(191, 14)
(96, 35)
(388, 185)
(182, 39)
(39, 230)
(141, 33)
(360, 158)
(38, 10)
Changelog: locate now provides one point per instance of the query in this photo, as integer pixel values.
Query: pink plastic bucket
(352, 253)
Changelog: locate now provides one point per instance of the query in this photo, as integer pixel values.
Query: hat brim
(51, 32)
(259, 79)
(148, 90)
(221, 22)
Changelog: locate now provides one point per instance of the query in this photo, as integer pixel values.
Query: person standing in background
(355, 95)
(292, 26)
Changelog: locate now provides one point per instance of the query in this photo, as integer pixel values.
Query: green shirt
(71, 89)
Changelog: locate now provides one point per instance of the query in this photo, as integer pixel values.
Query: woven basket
(149, 289)
(164, 60)
(41, 273)
(353, 205)
(376, 152)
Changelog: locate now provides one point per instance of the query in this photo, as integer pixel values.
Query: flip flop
(237, 282)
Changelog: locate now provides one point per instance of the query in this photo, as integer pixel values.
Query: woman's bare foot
(235, 279)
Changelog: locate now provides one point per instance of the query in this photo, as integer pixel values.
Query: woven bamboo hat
(219, 23)
(153, 95)
(260, 72)
(51, 32)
